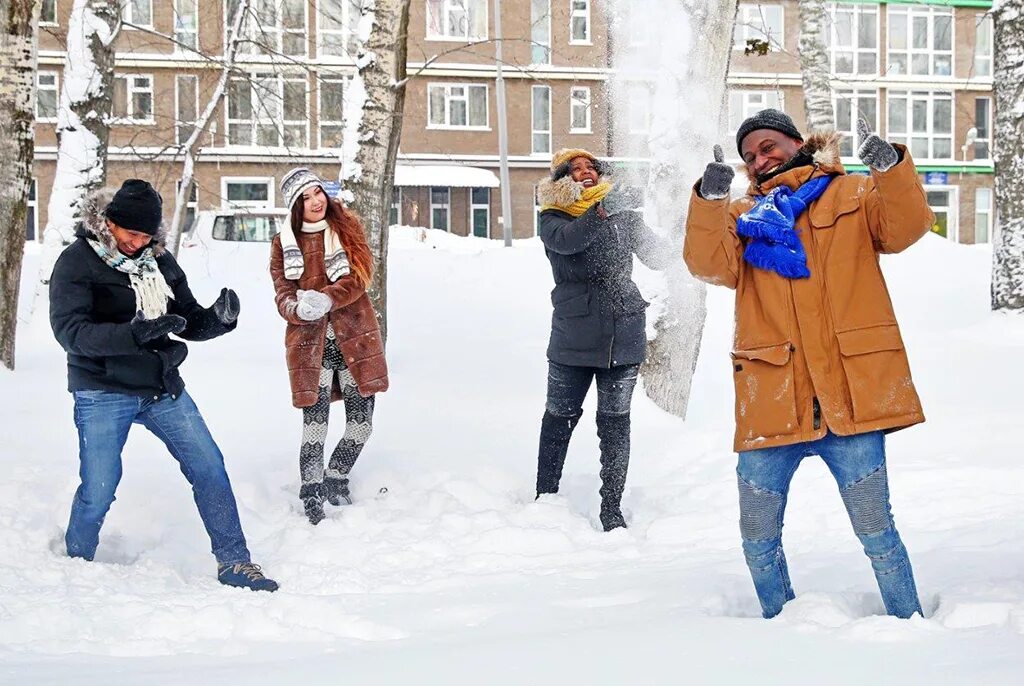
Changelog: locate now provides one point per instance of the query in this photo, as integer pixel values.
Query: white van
(230, 226)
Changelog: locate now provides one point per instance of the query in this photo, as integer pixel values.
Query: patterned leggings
(358, 421)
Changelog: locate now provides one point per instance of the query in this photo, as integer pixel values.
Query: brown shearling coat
(353, 317)
(824, 352)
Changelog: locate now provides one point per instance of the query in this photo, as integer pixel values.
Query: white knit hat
(296, 182)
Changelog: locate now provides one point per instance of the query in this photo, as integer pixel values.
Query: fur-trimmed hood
(94, 221)
(563, 192)
(823, 148)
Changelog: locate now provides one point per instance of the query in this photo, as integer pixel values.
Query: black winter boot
(555, 433)
(336, 491)
(313, 502)
(613, 432)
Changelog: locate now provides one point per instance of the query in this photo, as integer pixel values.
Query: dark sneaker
(336, 491)
(313, 502)
(245, 575)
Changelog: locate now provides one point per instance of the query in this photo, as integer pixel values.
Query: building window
(920, 40)
(849, 106)
(268, 110)
(744, 104)
(186, 24)
(480, 211)
(275, 27)
(133, 98)
(138, 12)
(943, 201)
(186, 105)
(47, 95)
(48, 13)
(982, 215)
(923, 121)
(395, 214)
(758, 22)
(247, 191)
(579, 117)
(853, 38)
(579, 22)
(191, 206)
(31, 219)
(457, 106)
(540, 31)
(983, 45)
(541, 117)
(983, 128)
(440, 204)
(337, 25)
(638, 98)
(332, 95)
(459, 20)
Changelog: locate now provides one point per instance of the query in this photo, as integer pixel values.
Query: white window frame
(850, 133)
(258, 32)
(179, 33)
(473, 206)
(447, 207)
(178, 138)
(750, 16)
(952, 210)
(983, 22)
(32, 205)
(129, 106)
(749, 106)
(576, 13)
(534, 131)
(48, 22)
(988, 125)
(128, 14)
(56, 91)
(446, 8)
(347, 33)
(904, 136)
(226, 181)
(265, 116)
(448, 97)
(191, 203)
(396, 194)
(987, 212)
(855, 10)
(579, 97)
(538, 44)
(929, 11)
(320, 108)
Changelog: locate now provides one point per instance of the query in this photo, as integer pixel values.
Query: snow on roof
(454, 176)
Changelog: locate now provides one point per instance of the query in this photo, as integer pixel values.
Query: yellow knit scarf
(589, 197)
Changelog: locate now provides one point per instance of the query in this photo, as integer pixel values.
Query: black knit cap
(136, 206)
(767, 119)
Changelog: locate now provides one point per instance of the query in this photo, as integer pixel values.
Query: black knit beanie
(136, 206)
(767, 119)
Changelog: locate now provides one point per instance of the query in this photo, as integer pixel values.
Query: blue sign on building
(332, 188)
(936, 178)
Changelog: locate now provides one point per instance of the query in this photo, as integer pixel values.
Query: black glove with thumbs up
(873, 151)
(714, 185)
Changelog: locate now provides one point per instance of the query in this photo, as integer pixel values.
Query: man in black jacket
(115, 295)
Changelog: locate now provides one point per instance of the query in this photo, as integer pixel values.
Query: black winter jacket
(91, 305)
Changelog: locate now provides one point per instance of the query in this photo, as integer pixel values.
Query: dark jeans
(103, 419)
(568, 386)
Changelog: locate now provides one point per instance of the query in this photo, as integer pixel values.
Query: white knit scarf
(151, 289)
(335, 258)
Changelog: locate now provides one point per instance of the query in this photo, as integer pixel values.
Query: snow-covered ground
(454, 574)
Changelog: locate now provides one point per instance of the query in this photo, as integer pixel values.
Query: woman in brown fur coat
(321, 266)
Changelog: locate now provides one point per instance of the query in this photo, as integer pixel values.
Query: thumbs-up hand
(873, 151)
(714, 185)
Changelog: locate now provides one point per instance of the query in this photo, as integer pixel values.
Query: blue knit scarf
(774, 244)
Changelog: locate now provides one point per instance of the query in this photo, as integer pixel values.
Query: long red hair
(349, 228)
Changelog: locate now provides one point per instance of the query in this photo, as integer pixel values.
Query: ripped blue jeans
(858, 465)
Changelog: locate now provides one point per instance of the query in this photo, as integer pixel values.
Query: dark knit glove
(873, 151)
(622, 198)
(146, 330)
(717, 179)
(227, 306)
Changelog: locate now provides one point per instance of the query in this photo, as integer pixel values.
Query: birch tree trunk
(1008, 77)
(372, 123)
(814, 65)
(684, 59)
(83, 120)
(188, 148)
(20, 20)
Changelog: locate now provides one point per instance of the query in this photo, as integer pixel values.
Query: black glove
(227, 306)
(146, 330)
(717, 179)
(873, 151)
(622, 198)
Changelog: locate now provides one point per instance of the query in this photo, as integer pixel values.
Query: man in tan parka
(818, 361)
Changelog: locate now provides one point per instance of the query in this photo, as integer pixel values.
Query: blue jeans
(858, 465)
(103, 419)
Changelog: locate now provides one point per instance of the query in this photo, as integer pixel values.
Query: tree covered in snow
(1008, 78)
(814, 65)
(83, 119)
(20, 21)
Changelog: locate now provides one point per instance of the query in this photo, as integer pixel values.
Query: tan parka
(824, 352)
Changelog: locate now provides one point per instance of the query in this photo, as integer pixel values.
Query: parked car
(241, 225)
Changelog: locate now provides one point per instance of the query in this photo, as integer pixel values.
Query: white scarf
(144, 275)
(335, 258)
